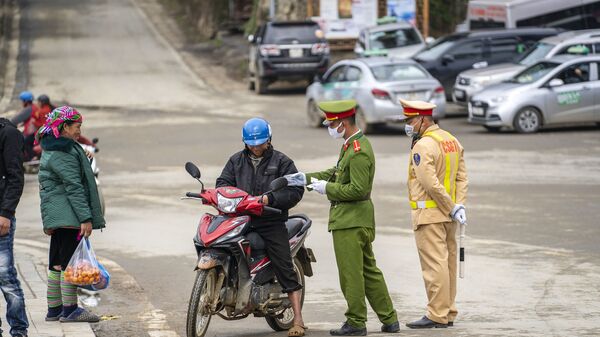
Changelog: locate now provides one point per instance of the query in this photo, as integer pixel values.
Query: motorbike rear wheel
(199, 315)
(285, 319)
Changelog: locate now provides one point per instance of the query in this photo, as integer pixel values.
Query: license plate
(296, 52)
(477, 111)
(459, 94)
(412, 96)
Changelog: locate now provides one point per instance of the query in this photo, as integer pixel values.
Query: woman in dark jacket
(70, 207)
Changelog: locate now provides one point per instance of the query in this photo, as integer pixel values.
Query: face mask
(409, 129)
(335, 134)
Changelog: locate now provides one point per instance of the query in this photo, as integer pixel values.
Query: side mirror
(447, 58)
(317, 79)
(193, 170)
(278, 184)
(251, 38)
(429, 40)
(359, 50)
(556, 82)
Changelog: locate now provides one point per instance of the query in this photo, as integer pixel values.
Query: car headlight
(498, 99)
(227, 205)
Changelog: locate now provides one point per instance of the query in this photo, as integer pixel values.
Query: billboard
(343, 19)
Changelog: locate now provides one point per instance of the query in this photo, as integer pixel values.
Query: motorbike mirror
(95, 140)
(278, 184)
(193, 170)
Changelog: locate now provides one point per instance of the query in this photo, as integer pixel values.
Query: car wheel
(492, 128)
(527, 120)
(260, 85)
(361, 122)
(314, 116)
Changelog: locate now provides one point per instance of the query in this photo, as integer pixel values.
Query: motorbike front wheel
(199, 311)
(285, 319)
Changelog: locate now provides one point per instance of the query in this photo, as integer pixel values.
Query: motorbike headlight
(227, 205)
(233, 233)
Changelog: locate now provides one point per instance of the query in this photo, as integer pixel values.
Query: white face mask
(335, 134)
(409, 129)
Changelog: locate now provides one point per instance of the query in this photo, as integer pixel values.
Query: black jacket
(239, 172)
(11, 168)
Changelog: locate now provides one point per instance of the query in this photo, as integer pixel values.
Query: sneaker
(80, 315)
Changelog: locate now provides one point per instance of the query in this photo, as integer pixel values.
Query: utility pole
(272, 10)
(426, 18)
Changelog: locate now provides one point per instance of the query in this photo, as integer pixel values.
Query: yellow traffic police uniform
(437, 180)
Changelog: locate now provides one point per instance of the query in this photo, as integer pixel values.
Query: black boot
(348, 330)
(425, 323)
(394, 327)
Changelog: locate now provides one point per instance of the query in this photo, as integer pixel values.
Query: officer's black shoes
(348, 330)
(425, 323)
(450, 323)
(394, 327)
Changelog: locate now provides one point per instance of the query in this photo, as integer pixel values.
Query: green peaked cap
(334, 107)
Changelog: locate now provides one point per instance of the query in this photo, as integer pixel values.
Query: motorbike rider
(252, 170)
(26, 117)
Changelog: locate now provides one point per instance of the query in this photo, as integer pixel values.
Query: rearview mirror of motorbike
(278, 184)
(193, 170)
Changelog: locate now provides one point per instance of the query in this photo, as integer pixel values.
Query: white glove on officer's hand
(459, 214)
(318, 185)
(296, 179)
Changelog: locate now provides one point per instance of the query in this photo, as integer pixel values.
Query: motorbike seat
(294, 225)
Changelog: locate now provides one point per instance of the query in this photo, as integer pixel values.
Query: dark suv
(453, 54)
(286, 50)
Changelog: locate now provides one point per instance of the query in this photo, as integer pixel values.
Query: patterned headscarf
(56, 118)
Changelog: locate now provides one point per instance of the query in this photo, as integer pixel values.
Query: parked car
(453, 54)
(564, 89)
(377, 84)
(286, 51)
(398, 39)
(582, 42)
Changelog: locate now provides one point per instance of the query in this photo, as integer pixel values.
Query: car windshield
(538, 52)
(282, 34)
(436, 50)
(534, 73)
(393, 38)
(397, 72)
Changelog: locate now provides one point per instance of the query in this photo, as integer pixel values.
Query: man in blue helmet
(252, 170)
(25, 116)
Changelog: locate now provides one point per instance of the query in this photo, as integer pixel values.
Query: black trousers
(63, 244)
(277, 245)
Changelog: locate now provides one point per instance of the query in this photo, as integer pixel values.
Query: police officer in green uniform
(352, 220)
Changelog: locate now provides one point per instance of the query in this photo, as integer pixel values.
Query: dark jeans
(278, 250)
(28, 143)
(10, 285)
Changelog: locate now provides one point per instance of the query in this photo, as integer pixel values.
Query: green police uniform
(352, 223)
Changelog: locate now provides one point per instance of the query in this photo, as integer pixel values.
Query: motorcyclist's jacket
(255, 179)
(11, 168)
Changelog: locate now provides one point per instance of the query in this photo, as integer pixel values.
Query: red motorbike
(234, 276)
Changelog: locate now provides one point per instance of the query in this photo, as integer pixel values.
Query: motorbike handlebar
(193, 195)
(272, 210)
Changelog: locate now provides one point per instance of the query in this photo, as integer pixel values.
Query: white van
(567, 14)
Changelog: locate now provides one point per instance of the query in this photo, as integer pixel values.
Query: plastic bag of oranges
(83, 268)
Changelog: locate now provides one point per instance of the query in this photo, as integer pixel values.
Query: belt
(423, 204)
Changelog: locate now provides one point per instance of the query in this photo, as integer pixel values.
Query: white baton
(461, 265)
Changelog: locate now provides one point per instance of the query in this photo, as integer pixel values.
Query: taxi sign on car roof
(386, 19)
(375, 52)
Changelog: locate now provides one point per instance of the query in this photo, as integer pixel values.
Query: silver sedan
(564, 89)
(377, 84)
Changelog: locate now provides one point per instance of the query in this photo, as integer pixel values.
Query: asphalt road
(533, 248)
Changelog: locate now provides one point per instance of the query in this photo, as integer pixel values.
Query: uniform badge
(416, 159)
(356, 146)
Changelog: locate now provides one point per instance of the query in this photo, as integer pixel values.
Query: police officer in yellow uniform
(437, 189)
(348, 187)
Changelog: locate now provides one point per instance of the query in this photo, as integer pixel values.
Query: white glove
(459, 214)
(318, 185)
(296, 179)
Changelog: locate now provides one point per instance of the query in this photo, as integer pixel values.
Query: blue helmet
(26, 96)
(256, 131)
